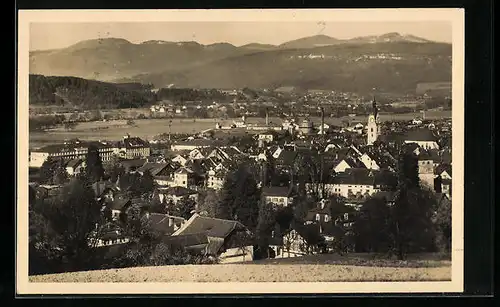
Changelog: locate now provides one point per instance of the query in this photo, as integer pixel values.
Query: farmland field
(317, 268)
(147, 128)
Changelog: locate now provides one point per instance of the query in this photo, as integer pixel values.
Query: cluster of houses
(354, 172)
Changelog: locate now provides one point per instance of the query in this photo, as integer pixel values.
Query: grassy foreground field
(148, 128)
(318, 268)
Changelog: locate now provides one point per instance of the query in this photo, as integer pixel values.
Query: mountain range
(390, 62)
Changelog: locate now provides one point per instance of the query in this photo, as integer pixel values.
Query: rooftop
(213, 227)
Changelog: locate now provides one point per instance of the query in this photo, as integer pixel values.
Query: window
(371, 129)
(318, 217)
(327, 218)
(346, 216)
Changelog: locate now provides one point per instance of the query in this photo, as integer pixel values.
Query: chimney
(170, 222)
(267, 117)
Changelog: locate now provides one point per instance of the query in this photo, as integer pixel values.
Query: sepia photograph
(240, 151)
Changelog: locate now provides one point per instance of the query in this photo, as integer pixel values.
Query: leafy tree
(60, 173)
(412, 228)
(372, 228)
(184, 207)
(146, 183)
(442, 221)
(209, 203)
(47, 170)
(70, 226)
(265, 225)
(240, 198)
(94, 167)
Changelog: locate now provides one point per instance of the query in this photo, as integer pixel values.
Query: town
(245, 191)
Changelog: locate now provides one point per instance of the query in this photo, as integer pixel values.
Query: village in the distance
(253, 176)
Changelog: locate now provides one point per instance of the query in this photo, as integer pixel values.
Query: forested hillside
(78, 92)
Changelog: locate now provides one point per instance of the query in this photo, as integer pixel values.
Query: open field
(147, 128)
(317, 268)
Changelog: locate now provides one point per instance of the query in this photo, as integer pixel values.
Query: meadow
(148, 128)
(315, 268)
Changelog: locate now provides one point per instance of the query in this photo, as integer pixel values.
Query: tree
(60, 174)
(47, 170)
(209, 203)
(372, 232)
(265, 225)
(240, 198)
(412, 229)
(74, 218)
(146, 183)
(442, 222)
(94, 168)
(184, 207)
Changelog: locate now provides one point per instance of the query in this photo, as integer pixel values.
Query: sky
(44, 36)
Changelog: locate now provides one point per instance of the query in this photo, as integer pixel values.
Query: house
(216, 178)
(134, 148)
(230, 240)
(184, 177)
(176, 193)
(132, 165)
(347, 163)
(266, 137)
(360, 182)
(376, 160)
(152, 167)
(196, 154)
(196, 143)
(162, 224)
(281, 196)
(300, 240)
(426, 168)
(423, 137)
(118, 205)
(111, 237)
(444, 171)
(75, 166)
(181, 159)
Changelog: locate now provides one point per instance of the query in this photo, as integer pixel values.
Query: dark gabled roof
(420, 135)
(424, 155)
(118, 203)
(100, 187)
(287, 157)
(187, 240)
(134, 142)
(277, 191)
(443, 167)
(74, 163)
(152, 167)
(212, 226)
(355, 176)
(160, 222)
(133, 163)
(363, 176)
(202, 143)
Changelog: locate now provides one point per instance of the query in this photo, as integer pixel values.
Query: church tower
(372, 126)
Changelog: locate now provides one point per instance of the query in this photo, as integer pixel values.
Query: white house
(281, 196)
(180, 159)
(423, 137)
(75, 166)
(369, 162)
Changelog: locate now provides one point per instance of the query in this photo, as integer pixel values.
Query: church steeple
(375, 109)
(372, 127)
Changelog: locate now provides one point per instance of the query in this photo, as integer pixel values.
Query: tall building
(373, 130)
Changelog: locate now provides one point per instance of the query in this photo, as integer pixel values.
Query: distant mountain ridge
(317, 61)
